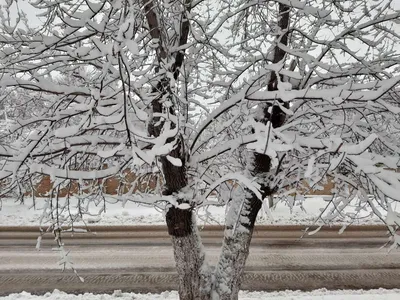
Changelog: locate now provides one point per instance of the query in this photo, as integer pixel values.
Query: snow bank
(16, 214)
(323, 294)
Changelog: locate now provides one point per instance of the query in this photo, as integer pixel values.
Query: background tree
(282, 94)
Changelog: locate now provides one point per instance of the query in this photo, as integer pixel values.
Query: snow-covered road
(333, 262)
(156, 258)
(141, 260)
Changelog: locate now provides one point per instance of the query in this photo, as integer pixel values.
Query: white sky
(30, 12)
(34, 20)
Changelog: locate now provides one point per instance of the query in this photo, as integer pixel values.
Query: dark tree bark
(194, 276)
(236, 244)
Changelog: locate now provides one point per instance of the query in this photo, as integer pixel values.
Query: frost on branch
(213, 92)
(184, 104)
(337, 92)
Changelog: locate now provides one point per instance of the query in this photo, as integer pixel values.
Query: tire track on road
(158, 282)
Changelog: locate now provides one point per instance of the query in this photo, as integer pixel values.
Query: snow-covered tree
(246, 99)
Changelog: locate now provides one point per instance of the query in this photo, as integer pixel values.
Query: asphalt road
(140, 259)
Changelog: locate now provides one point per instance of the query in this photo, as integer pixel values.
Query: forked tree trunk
(195, 279)
(196, 282)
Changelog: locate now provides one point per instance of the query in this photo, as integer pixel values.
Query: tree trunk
(235, 249)
(195, 280)
(194, 275)
(239, 231)
(193, 272)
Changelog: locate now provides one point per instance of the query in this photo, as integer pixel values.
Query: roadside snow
(304, 213)
(323, 294)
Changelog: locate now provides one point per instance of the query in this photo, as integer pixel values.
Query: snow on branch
(284, 95)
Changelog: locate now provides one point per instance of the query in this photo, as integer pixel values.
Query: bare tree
(248, 99)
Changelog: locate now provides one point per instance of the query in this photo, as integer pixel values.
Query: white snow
(380, 294)
(175, 161)
(16, 214)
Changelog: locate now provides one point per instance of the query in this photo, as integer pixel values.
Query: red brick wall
(124, 183)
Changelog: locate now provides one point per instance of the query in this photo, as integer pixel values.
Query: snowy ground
(380, 294)
(16, 214)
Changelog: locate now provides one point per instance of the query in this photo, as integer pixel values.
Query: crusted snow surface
(322, 294)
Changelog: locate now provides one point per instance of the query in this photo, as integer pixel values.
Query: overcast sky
(34, 20)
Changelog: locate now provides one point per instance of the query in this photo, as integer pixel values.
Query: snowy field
(307, 212)
(380, 294)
